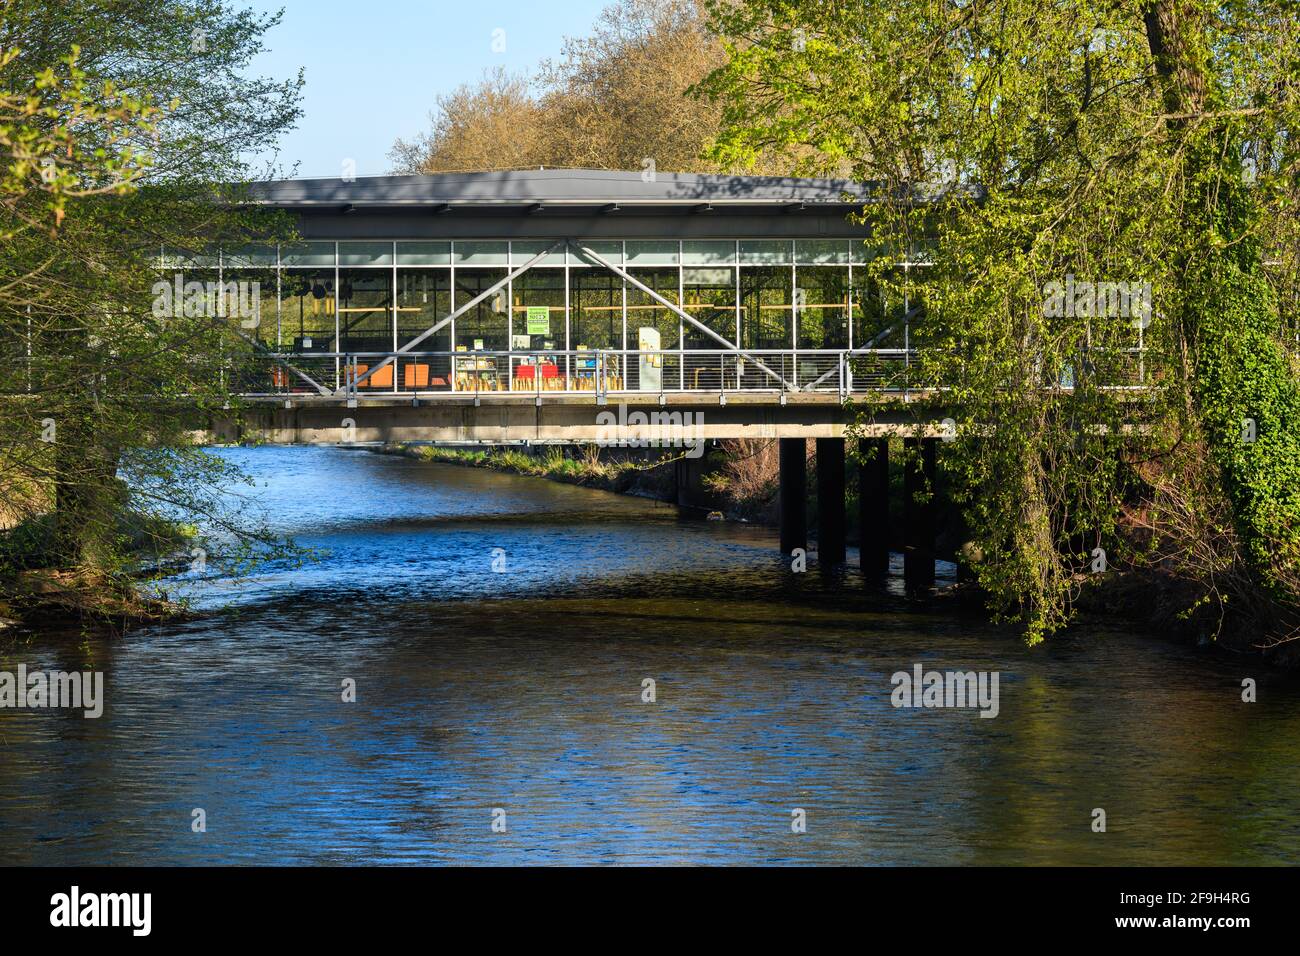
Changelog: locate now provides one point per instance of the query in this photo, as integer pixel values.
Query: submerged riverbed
(499, 630)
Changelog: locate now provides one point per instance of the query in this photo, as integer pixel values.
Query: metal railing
(600, 372)
(717, 372)
(581, 371)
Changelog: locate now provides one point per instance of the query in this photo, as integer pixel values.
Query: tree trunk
(85, 496)
(1173, 31)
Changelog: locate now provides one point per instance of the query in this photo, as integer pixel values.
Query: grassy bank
(587, 468)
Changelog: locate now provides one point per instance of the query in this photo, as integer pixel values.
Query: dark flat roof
(558, 187)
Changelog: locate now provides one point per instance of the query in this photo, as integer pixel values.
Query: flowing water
(499, 630)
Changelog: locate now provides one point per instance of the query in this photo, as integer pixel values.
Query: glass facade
(341, 300)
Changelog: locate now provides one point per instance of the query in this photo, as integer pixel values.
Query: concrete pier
(830, 501)
(873, 506)
(794, 494)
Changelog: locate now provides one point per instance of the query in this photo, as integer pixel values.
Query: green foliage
(1022, 145)
(123, 128)
(1246, 386)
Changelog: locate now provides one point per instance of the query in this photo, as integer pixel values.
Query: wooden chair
(526, 374)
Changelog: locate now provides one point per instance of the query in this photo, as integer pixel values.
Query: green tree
(1039, 145)
(125, 129)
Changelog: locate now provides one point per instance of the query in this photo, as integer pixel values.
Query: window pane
(252, 256)
(423, 253)
(764, 252)
(307, 254)
(765, 294)
(711, 299)
(611, 252)
(307, 310)
(821, 297)
(821, 251)
(535, 291)
(652, 253)
(483, 326)
(596, 298)
(481, 253)
(365, 311)
(863, 251)
(708, 252)
(423, 300)
(521, 252)
(365, 253)
(643, 311)
(190, 258)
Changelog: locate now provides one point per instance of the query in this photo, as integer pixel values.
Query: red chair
(525, 373)
(550, 375)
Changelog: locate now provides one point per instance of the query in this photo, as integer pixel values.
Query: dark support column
(873, 506)
(794, 494)
(918, 518)
(830, 501)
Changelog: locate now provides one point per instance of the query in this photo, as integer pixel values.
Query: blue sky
(375, 67)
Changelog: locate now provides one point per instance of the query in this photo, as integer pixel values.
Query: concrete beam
(681, 420)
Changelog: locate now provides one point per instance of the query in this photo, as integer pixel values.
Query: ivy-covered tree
(1048, 160)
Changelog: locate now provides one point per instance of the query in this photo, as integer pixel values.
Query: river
(499, 630)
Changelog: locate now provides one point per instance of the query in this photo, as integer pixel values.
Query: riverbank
(55, 600)
(743, 487)
(625, 477)
(36, 592)
(735, 484)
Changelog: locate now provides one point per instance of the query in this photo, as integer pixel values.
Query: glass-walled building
(673, 275)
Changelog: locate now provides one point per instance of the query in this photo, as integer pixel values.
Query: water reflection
(521, 690)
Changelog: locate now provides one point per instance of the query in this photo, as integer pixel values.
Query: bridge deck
(618, 397)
